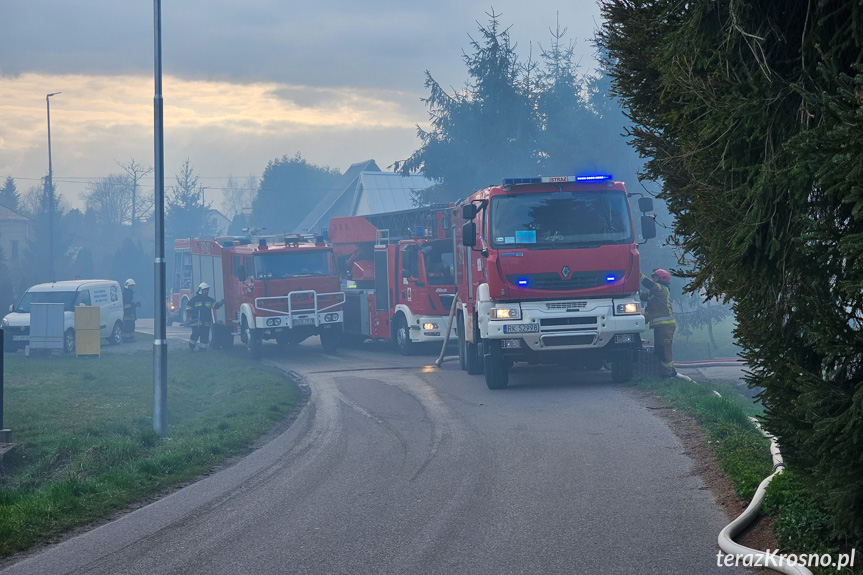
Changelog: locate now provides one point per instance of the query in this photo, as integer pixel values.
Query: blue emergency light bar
(556, 179)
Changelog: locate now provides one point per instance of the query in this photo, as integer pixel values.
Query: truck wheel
(69, 341)
(621, 367)
(116, 334)
(253, 340)
(462, 352)
(496, 370)
(329, 340)
(473, 360)
(402, 336)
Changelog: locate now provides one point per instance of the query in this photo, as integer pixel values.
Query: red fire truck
(284, 288)
(548, 272)
(180, 289)
(397, 274)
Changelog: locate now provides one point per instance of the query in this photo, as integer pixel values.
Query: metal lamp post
(50, 190)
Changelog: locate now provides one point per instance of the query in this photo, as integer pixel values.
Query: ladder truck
(397, 274)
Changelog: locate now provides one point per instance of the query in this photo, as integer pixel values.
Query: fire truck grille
(555, 321)
(554, 281)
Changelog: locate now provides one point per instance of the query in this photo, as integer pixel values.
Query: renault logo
(565, 272)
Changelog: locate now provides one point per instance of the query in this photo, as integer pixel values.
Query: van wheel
(69, 341)
(116, 334)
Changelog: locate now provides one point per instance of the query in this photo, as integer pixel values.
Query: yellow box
(88, 339)
(86, 317)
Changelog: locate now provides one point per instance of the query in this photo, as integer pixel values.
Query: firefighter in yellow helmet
(657, 312)
(200, 313)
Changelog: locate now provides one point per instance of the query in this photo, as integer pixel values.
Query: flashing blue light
(610, 279)
(522, 282)
(593, 177)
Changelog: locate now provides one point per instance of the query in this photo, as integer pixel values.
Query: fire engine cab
(284, 288)
(548, 272)
(397, 274)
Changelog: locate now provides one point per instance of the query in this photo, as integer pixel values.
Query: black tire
(116, 334)
(253, 340)
(496, 368)
(330, 340)
(621, 367)
(402, 335)
(462, 352)
(69, 341)
(473, 360)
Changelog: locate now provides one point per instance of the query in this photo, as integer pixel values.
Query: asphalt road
(396, 466)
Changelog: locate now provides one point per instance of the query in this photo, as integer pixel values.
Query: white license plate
(20, 338)
(304, 321)
(521, 328)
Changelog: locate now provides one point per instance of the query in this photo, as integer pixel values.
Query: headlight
(429, 326)
(505, 313)
(274, 321)
(628, 308)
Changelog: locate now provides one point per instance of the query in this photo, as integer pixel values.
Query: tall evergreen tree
(185, 210)
(485, 132)
(9, 194)
(750, 117)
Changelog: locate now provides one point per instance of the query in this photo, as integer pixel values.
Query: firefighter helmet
(203, 286)
(663, 276)
(129, 283)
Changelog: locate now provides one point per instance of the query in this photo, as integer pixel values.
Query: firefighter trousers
(663, 336)
(201, 332)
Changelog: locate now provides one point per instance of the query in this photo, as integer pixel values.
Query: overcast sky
(243, 82)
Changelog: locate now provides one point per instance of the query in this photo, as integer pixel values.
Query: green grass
(743, 455)
(742, 452)
(84, 432)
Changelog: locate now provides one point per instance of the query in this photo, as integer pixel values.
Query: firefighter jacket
(200, 309)
(657, 310)
(129, 305)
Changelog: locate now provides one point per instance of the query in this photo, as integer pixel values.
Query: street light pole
(50, 190)
(160, 342)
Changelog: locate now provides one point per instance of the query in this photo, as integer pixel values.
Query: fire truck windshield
(558, 220)
(438, 261)
(293, 264)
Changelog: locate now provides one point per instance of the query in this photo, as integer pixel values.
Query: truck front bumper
(547, 326)
(427, 328)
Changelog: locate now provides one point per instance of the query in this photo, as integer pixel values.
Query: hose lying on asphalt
(726, 536)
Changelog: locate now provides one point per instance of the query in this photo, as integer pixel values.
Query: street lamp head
(52, 94)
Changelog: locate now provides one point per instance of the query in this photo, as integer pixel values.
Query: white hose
(761, 558)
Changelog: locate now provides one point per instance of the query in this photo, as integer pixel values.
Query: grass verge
(86, 447)
(743, 454)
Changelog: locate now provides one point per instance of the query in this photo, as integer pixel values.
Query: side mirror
(468, 211)
(645, 205)
(468, 234)
(648, 227)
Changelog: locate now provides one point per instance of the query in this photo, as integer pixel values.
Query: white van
(103, 293)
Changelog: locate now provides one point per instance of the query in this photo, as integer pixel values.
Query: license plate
(20, 338)
(521, 328)
(304, 321)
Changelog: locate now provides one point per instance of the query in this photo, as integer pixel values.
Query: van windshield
(67, 298)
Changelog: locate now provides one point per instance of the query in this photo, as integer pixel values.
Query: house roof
(7, 214)
(364, 189)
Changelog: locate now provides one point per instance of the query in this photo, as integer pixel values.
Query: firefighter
(200, 313)
(657, 311)
(129, 314)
